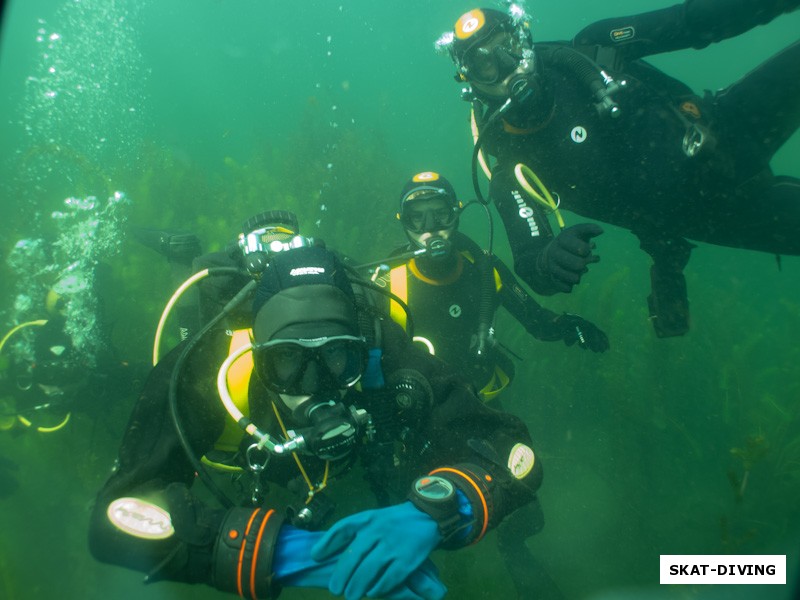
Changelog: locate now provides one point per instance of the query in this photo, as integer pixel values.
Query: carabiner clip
(251, 456)
(693, 141)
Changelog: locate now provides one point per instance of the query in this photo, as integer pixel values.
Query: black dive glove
(197, 526)
(566, 257)
(575, 329)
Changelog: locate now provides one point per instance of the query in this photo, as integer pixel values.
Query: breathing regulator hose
(264, 440)
(240, 297)
(477, 154)
(485, 306)
(542, 195)
(473, 123)
(177, 296)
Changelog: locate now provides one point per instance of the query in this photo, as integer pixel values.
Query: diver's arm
(151, 459)
(538, 321)
(486, 454)
(544, 324)
(146, 518)
(527, 229)
(693, 24)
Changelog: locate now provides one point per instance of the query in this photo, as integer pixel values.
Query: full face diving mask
(493, 58)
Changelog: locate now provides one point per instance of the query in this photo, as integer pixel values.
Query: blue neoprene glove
(378, 550)
(294, 567)
(292, 563)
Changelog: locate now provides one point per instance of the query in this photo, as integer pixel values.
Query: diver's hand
(575, 329)
(377, 551)
(294, 567)
(566, 258)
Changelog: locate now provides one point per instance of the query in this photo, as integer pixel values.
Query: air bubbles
(89, 231)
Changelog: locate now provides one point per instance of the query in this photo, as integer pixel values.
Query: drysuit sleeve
(693, 24)
(486, 454)
(527, 229)
(537, 320)
(147, 518)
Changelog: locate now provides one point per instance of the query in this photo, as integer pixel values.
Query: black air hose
(590, 74)
(485, 306)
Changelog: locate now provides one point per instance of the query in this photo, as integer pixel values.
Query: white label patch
(306, 271)
(520, 460)
(578, 134)
(525, 212)
(140, 519)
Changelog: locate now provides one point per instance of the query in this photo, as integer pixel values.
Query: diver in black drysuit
(639, 149)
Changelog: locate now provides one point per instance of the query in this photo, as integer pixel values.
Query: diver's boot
(177, 246)
(668, 302)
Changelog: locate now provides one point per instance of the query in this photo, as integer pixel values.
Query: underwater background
(195, 115)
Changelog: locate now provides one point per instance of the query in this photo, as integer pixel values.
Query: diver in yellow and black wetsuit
(45, 375)
(453, 289)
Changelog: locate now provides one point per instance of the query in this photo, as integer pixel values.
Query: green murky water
(206, 112)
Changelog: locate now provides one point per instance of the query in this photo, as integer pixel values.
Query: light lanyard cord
(311, 489)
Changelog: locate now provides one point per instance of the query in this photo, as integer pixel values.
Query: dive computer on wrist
(436, 496)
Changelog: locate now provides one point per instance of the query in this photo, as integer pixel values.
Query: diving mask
(428, 210)
(493, 58)
(299, 367)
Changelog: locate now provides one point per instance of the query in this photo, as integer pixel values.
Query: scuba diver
(320, 381)
(45, 378)
(24, 404)
(58, 358)
(39, 394)
(619, 141)
(453, 289)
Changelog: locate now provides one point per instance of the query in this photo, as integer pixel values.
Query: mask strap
(311, 488)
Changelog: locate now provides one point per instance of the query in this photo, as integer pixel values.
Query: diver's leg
(762, 214)
(762, 110)
(530, 578)
(668, 300)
